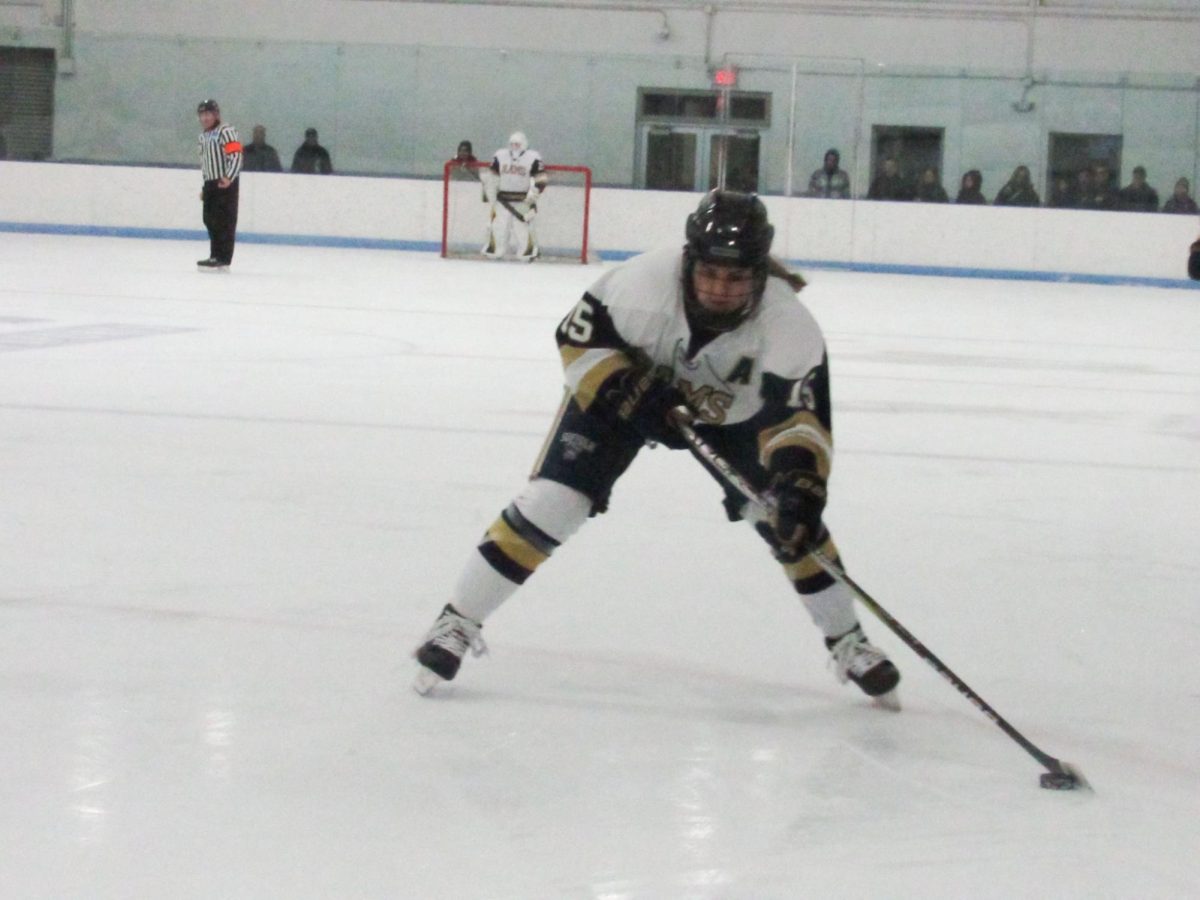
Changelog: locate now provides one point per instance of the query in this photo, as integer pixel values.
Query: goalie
(513, 185)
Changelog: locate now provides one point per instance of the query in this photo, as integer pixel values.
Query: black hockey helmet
(209, 105)
(728, 228)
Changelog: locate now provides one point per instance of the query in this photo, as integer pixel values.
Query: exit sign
(725, 78)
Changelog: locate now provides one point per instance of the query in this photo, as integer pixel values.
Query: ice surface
(233, 503)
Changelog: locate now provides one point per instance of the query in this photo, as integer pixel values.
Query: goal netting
(561, 223)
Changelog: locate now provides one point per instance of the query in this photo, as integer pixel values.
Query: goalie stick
(1059, 775)
(507, 204)
(512, 208)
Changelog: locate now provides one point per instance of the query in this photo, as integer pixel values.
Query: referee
(220, 161)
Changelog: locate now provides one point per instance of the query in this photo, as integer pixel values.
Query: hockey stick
(1059, 775)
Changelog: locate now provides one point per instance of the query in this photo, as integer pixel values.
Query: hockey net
(561, 223)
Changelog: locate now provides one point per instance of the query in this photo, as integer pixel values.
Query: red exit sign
(725, 77)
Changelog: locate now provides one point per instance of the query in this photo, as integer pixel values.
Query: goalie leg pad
(500, 235)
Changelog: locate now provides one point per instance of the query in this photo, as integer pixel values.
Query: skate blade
(889, 701)
(426, 681)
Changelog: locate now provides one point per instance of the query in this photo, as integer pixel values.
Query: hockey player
(515, 184)
(712, 330)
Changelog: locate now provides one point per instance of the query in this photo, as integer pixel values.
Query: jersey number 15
(577, 327)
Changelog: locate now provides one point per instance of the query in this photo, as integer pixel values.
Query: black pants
(220, 218)
(588, 451)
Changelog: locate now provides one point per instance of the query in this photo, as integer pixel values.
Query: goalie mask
(728, 229)
(518, 143)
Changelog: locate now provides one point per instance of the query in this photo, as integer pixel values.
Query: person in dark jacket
(889, 184)
(258, 155)
(970, 190)
(465, 154)
(929, 188)
(1062, 193)
(1019, 190)
(310, 157)
(1100, 194)
(1181, 201)
(1083, 187)
(1137, 196)
(830, 182)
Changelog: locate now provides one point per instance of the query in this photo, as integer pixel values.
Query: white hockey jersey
(769, 374)
(516, 171)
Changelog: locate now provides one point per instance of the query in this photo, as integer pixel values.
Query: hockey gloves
(799, 499)
(643, 402)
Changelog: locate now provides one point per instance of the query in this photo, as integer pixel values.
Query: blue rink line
(315, 240)
(187, 234)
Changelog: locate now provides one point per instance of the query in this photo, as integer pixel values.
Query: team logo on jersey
(575, 444)
(709, 404)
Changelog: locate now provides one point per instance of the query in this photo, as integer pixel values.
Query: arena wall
(394, 86)
(395, 213)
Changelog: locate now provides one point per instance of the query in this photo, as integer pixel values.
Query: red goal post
(561, 222)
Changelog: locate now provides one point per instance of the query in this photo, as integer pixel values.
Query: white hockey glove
(490, 185)
(528, 206)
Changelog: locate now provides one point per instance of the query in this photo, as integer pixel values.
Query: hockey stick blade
(1064, 777)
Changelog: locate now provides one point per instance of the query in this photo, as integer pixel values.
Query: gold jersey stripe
(570, 354)
(514, 546)
(801, 430)
(806, 567)
(589, 384)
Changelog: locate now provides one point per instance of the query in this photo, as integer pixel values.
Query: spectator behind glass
(310, 157)
(1019, 190)
(889, 184)
(829, 181)
(1181, 201)
(258, 155)
(465, 153)
(971, 188)
(1137, 196)
(929, 188)
(1083, 187)
(1062, 193)
(1100, 194)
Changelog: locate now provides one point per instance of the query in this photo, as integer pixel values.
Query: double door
(690, 158)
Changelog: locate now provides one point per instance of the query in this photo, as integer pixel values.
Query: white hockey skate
(856, 659)
(447, 642)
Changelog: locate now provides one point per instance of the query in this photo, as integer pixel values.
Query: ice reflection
(699, 821)
(92, 769)
(613, 890)
(218, 738)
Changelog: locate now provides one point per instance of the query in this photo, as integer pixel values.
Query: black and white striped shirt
(220, 153)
